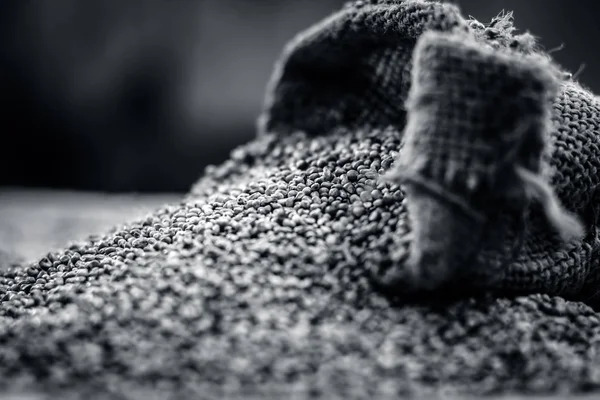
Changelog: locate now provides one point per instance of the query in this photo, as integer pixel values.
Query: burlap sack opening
(352, 69)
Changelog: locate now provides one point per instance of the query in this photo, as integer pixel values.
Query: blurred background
(140, 95)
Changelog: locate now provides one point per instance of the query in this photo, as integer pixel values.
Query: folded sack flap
(478, 126)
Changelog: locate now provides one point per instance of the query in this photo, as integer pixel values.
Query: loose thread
(579, 71)
(556, 49)
(567, 225)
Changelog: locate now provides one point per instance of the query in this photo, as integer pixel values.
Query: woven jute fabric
(416, 216)
(485, 120)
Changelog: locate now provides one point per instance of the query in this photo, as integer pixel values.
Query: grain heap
(260, 280)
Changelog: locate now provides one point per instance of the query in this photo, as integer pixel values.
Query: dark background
(117, 95)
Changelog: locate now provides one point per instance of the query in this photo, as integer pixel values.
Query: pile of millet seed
(258, 283)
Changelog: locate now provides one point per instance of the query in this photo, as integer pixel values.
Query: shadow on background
(112, 95)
